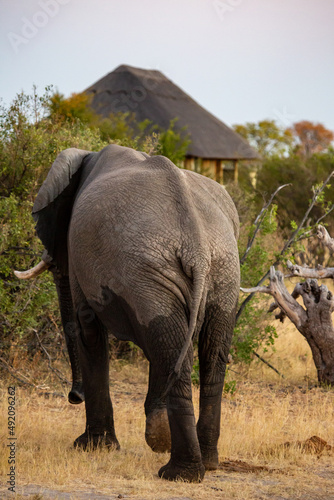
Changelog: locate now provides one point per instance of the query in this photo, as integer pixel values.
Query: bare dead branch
(312, 294)
(307, 272)
(288, 304)
(281, 315)
(255, 289)
(325, 238)
(258, 221)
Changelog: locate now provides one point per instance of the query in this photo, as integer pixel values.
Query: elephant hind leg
(214, 344)
(165, 337)
(186, 461)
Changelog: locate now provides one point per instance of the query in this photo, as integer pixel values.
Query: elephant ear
(54, 202)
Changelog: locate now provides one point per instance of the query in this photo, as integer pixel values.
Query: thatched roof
(150, 95)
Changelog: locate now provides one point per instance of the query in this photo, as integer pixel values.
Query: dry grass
(292, 357)
(263, 413)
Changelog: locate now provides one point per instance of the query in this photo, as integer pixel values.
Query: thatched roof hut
(149, 94)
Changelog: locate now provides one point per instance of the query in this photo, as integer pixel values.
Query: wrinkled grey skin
(148, 252)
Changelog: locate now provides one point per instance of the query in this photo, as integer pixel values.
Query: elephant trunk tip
(75, 398)
(76, 394)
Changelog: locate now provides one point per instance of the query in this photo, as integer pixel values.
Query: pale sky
(243, 60)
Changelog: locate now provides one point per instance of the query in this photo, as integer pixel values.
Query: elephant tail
(199, 284)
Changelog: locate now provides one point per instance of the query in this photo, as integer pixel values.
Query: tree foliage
(77, 106)
(270, 140)
(301, 174)
(30, 141)
(311, 138)
(266, 137)
(174, 143)
(301, 155)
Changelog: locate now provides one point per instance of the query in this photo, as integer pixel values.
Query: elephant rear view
(147, 252)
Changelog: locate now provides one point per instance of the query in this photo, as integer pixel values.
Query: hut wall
(219, 170)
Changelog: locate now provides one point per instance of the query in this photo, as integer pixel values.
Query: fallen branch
(241, 466)
(268, 364)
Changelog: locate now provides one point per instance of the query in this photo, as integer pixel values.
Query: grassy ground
(264, 412)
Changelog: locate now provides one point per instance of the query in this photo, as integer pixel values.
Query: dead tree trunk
(314, 321)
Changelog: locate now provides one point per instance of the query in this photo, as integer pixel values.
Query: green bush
(302, 174)
(26, 306)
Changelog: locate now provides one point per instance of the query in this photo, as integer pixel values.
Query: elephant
(146, 251)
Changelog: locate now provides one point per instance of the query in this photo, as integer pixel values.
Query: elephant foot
(210, 459)
(157, 433)
(193, 473)
(76, 394)
(90, 442)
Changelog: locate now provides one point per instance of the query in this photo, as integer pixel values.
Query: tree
(266, 137)
(312, 137)
(77, 106)
(174, 143)
(301, 173)
(284, 161)
(30, 140)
